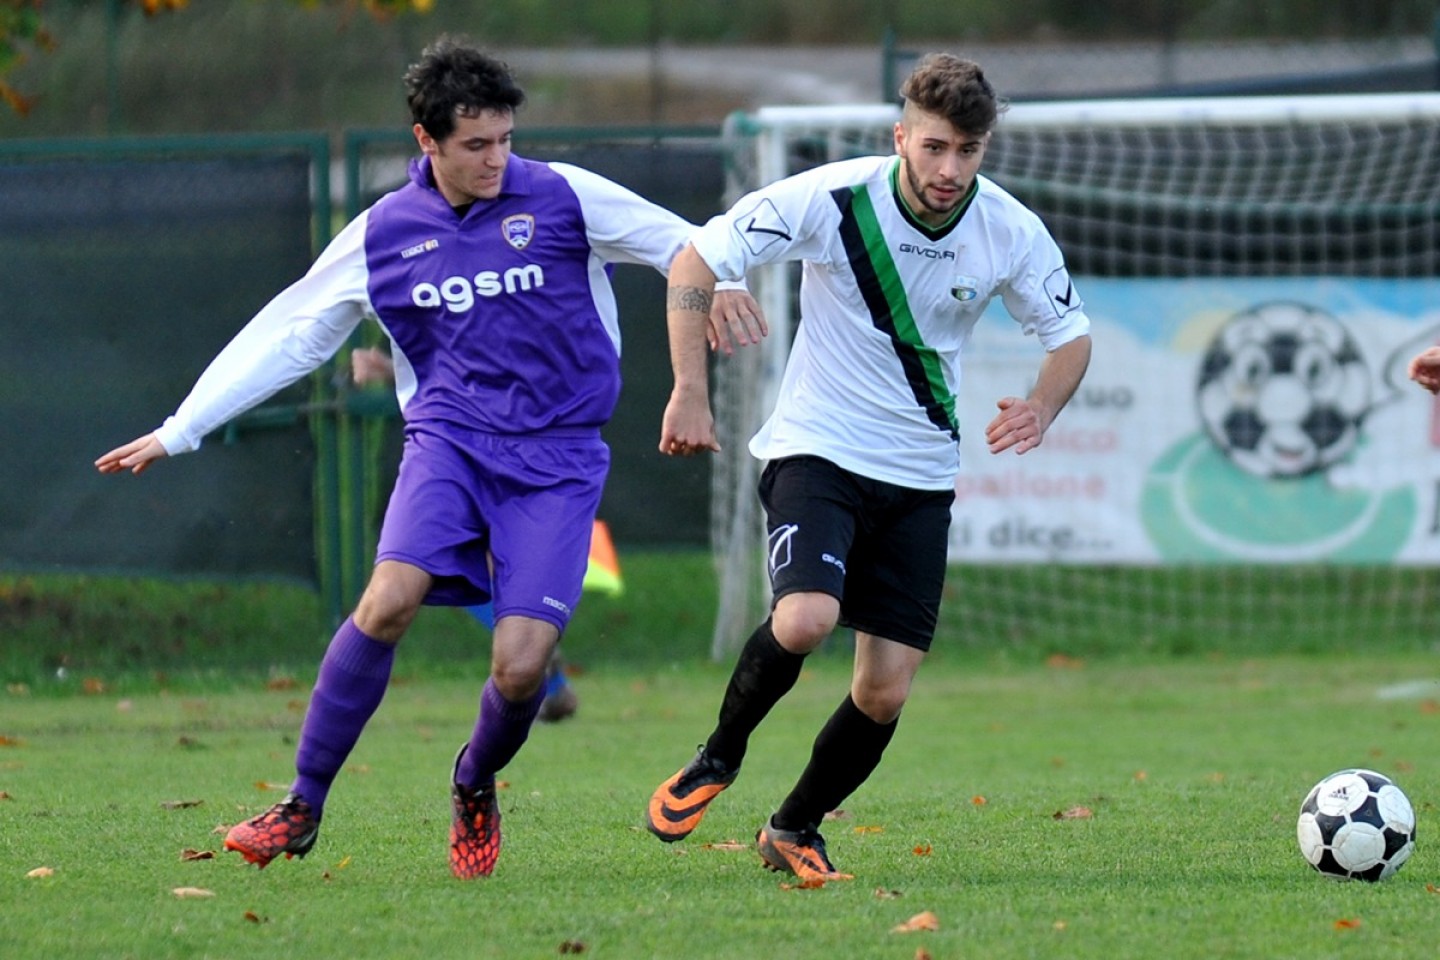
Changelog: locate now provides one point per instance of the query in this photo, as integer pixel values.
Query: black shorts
(880, 549)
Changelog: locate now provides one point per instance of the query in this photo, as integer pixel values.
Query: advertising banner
(1221, 421)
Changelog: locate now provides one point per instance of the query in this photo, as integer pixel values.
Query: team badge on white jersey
(965, 288)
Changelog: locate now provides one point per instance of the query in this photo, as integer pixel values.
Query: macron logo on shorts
(780, 539)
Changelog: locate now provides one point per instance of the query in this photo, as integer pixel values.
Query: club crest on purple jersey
(519, 230)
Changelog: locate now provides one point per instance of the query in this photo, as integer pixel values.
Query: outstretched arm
(688, 427)
(1022, 423)
(1425, 369)
(135, 456)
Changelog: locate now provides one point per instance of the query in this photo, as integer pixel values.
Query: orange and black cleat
(678, 804)
(801, 852)
(289, 827)
(474, 829)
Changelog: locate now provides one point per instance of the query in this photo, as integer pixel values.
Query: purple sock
(352, 681)
(501, 729)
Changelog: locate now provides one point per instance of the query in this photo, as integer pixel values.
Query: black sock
(763, 674)
(846, 752)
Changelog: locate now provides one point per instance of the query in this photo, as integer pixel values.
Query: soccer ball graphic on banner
(1356, 825)
(1283, 389)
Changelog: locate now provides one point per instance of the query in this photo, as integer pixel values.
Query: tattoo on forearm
(691, 299)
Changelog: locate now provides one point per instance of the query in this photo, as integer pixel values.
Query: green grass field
(1192, 768)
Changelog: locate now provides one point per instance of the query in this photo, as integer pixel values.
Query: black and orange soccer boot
(801, 852)
(474, 828)
(678, 804)
(290, 827)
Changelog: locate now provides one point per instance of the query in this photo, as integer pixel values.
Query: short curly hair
(453, 78)
(956, 89)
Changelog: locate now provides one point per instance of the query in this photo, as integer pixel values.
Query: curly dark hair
(454, 78)
(956, 89)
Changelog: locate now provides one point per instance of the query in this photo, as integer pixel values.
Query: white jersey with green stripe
(887, 305)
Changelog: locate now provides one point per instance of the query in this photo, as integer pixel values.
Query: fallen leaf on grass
(921, 921)
(882, 894)
(922, 954)
(267, 785)
(727, 845)
(813, 883)
(572, 946)
(923, 850)
(1432, 888)
(1347, 923)
(192, 893)
(1141, 776)
(41, 872)
(869, 829)
(978, 801)
(179, 804)
(1063, 661)
(10, 741)
(254, 917)
(1074, 813)
(93, 685)
(5, 795)
(1060, 926)
(281, 683)
(343, 864)
(187, 854)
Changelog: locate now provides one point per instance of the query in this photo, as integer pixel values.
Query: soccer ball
(1356, 825)
(1283, 390)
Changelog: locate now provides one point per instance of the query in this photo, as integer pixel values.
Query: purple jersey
(502, 320)
(506, 346)
(505, 315)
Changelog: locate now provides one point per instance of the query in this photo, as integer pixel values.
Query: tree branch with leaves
(23, 32)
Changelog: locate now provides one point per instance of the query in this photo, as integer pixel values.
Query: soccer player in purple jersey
(489, 274)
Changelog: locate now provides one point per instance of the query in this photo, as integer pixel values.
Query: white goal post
(1205, 482)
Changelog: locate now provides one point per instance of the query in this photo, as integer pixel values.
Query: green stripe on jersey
(871, 256)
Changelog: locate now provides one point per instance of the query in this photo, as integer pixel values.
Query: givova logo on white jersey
(458, 293)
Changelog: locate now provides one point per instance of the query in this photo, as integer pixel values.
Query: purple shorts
(463, 497)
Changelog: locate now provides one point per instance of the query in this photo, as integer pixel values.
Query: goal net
(1246, 466)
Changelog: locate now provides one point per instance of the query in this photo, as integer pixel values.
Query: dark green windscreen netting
(119, 280)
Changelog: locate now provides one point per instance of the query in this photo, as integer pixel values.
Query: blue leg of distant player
(559, 699)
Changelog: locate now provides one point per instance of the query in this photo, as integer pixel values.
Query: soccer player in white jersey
(1424, 369)
(490, 275)
(900, 256)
